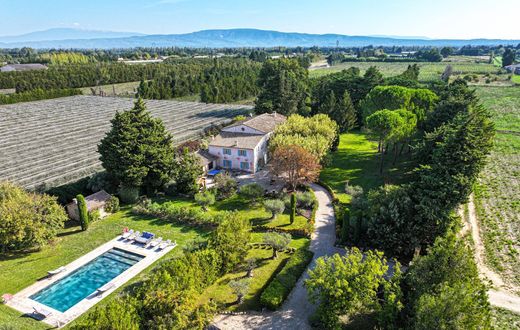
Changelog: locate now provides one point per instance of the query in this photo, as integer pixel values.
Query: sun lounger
(42, 311)
(105, 288)
(144, 238)
(56, 271)
(134, 235)
(127, 234)
(164, 245)
(156, 242)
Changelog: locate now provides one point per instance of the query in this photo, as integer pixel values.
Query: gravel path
(499, 296)
(297, 308)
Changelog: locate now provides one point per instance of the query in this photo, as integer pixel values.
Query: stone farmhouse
(243, 145)
(96, 201)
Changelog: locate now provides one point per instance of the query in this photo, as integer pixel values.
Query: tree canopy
(138, 151)
(27, 219)
(284, 88)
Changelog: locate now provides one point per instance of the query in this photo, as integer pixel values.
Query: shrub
(176, 214)
(94, 215)
(252, 191)
(306, 200)
(83, 212)
(205, 199)
(225, 185)
(280, 287)
(275, 206)
(27, 219)
(128, 195)
(112, 205)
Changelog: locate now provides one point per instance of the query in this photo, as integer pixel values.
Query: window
(244, 165)
(226, 163)
(226, 151)
(242, 152)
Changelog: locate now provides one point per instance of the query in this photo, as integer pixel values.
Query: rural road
(297, 308)
(498, 296)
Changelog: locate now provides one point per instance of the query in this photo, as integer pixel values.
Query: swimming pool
(68, 291)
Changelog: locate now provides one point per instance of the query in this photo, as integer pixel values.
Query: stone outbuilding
(96, 201)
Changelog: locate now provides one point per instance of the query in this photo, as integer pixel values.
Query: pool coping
(22, 303)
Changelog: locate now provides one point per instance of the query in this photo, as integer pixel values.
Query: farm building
(243, 145)
(53, 142)
(22, 67)
(96, 201)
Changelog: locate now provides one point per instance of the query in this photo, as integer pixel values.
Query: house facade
(243, 145)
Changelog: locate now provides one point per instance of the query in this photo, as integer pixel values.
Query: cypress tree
(293, 207)
(83, 212)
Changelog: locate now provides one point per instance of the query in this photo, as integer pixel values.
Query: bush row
(176, 214)
(295, 232)
(280, 287)
(37, 94)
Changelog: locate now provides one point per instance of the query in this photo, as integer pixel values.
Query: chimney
(236, 143)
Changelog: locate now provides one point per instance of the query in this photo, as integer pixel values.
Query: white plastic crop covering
(54, 142)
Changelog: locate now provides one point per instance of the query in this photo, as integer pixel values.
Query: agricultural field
(127, 89)
(54, 142)
(498, 190)
(429, 70)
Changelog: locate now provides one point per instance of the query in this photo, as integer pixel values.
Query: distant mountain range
(76, 38)
(65, 34)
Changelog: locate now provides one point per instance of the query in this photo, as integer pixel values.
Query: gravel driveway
(297, 308)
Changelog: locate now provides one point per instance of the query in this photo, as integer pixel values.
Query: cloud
(76, 24)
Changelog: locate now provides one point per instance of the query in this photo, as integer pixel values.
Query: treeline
(94, 74)
(37, 94)
(226, 80)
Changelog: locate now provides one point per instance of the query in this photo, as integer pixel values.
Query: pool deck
(21, 301)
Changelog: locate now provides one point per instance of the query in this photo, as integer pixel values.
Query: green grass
(497, 61)
(497, 200)
(265, 271)
(357, 162)
(516, 79)
(504, 319)
(20, 270)
(504, 104)
(429, 70)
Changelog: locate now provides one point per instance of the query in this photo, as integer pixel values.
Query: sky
(462, 19)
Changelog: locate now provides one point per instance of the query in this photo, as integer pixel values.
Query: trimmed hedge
(277, 291)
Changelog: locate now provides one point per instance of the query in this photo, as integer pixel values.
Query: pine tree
(349, 113)
(138, 151)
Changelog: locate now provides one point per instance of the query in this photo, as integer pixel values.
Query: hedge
(277, 291)
(177, 214)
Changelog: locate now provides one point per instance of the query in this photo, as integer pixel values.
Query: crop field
(429, 70)
(123, 89)
(498, 190)
(504, 104)
(54, 142)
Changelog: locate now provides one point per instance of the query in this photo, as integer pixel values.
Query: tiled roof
(265, 122)
(205, 157)
(97, 200)
(236, 140)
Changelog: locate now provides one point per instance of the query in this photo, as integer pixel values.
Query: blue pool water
(68, 291)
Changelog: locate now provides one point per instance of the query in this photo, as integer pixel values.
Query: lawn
(19, 270)
(357, 162)
(504, 319)
(516, 79)
(266, 270)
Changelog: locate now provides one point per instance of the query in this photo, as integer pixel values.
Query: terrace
(54, 142)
